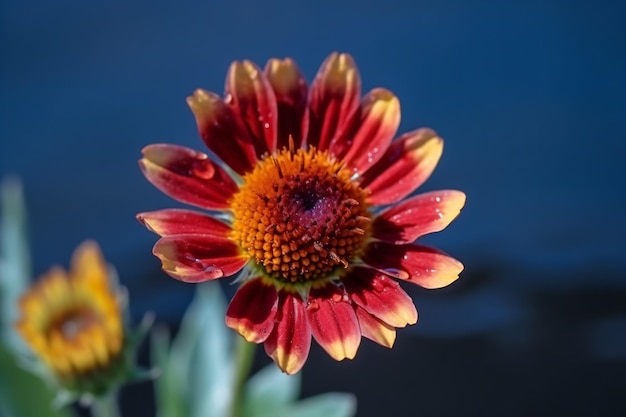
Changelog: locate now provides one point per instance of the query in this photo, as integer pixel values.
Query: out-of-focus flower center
(299, 215)
(72, 323)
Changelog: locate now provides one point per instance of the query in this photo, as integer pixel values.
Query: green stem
(105, 406)
(244, 357)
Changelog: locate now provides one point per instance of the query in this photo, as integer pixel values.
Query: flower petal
(88, 266)
(374, 329)
(410, 219)
(421, 265)
(334, 96)
(333, 322)
(406, 165)
(198, 258)
(187, 176)
(380, 296)
(290, 341)
(369, 131)
(291, 91)
(252, 310)
(252, 97)
(179, 221)
(222, 130)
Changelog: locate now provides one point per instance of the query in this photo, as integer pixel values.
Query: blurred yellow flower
(72, 320)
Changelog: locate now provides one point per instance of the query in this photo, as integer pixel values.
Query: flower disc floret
(300, 216)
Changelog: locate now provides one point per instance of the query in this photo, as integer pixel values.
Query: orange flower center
(299, 215)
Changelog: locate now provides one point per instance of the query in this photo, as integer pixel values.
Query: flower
(72, 321)
(307, 200)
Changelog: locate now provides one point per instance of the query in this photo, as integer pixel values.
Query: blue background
(530, 97)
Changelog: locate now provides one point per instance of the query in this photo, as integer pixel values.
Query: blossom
(72, 321)
(306, 197)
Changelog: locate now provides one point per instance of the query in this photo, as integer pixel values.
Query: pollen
(300, 216)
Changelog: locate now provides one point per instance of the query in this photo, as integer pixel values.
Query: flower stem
(105, 406)
(243, 362)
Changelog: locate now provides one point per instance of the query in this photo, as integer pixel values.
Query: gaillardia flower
(72, 321)
(306, 196)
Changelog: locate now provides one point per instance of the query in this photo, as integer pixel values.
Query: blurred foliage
(196, 368)
(22, 393)
(15, 264)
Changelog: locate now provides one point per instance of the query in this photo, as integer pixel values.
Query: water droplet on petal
(312, 305)
(337, 298)
(213, 271)
(396, 273)
(203, 169)
(379, 284)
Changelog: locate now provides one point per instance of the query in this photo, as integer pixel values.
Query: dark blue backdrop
(529, 95)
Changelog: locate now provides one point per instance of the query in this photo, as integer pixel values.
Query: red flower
(309, 203)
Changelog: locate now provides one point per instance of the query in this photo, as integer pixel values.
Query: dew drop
(397, 273)
(379, 284)
(312, 305)
(337, 298)
(266, 125)
(211, 271)
(203, 169)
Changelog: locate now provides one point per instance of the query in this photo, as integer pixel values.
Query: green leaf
(269, 390)
(211, 371)
(331, 404)
(197, 368)
(15, 272)
(23, 394)
(170, 397)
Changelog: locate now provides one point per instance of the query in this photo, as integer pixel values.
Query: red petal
(291, 90)
(369, 131)
(410, 219)
(178, 221)
(421, 265)
(333, 322)
(222, 130)
(374, 329)
(254, 100)
(252, 310)
(187, 176)
(335, 94)
(290, 342)
(406, 165)
(381, 296)
(198, 258)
